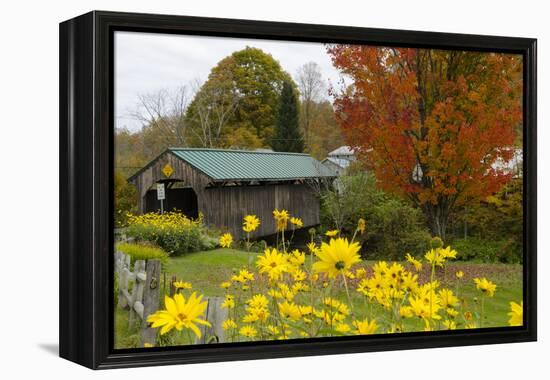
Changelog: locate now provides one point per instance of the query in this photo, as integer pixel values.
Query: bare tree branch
(165, 111)
(311, 86)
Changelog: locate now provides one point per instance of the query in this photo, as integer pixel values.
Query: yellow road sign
(167, 170)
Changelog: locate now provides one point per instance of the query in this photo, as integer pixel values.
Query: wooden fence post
(137, 290)
(215, 314)
(151, 301)
(123, 274)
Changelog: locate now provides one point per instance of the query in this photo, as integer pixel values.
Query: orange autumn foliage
(430, 123)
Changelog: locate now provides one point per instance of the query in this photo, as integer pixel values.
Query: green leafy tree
(125, 199)
(288, 137)
(243, 92)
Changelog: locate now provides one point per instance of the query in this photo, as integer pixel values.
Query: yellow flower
(516, 314)
(312, 248)
(182, 285)
(360, 273)
(350, 275)
(331, 233)
(362, 287)
(258, 301)
(273, 263)
(299, 275)
(243, 276)
(409, 282)
(447, 298)
(297, 258)
(225, 285)
(229, 324)
(272, 330)
(405, 311)
(337, 257)
(281, 218)
(289, 310)
(339, 307)
(342, 328)
(459, 274)
(305, 310)
(417, 264)
(258, 313)
(380, 268)
(365, 327)
(248, 331)
(299, 286)
(180, 313)
(297, 222)
(396, 271)
(361, 225)
(451, 312)
(147, 345)
(435, 257)
(250, 318)
(486, 286)
(229, 302)
(226, 240)
(246, 274)
(450, 325)
(251, 223)
(423, 309)
(448, 253)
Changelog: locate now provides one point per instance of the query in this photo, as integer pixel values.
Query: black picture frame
(86, 188)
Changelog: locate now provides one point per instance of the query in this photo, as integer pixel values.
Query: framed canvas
(235, 189)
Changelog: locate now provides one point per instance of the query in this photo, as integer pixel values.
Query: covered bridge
(226, 185)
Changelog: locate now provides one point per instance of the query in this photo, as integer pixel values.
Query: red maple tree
(430, 123)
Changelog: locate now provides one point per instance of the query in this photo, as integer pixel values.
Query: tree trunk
(438, 218)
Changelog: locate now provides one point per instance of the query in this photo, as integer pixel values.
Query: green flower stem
(349, 297)
(482, 311)
(354, 234)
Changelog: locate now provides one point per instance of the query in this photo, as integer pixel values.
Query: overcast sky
(146, 63)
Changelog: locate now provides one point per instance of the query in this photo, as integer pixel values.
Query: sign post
(161, 196)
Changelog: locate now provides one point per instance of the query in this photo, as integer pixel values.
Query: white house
(339, 159)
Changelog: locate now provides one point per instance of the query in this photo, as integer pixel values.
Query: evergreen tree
(288, 137)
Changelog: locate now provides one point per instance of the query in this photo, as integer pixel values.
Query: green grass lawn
(206, 270)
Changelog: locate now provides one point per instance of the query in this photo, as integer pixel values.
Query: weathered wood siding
(228, 205)
(182, 171)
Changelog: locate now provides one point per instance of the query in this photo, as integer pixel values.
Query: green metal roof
(224, 164)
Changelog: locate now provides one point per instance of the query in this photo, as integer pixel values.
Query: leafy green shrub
(125, 199)
(488, 251)
(142, 251)
(172, 231)
(492, 228)
(393, 227)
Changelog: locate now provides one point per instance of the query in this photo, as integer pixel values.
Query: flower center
(182, 317)
(340, 265)
(273, 265)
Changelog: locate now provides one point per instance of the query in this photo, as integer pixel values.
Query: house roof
(344, 150)
(243, 165)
